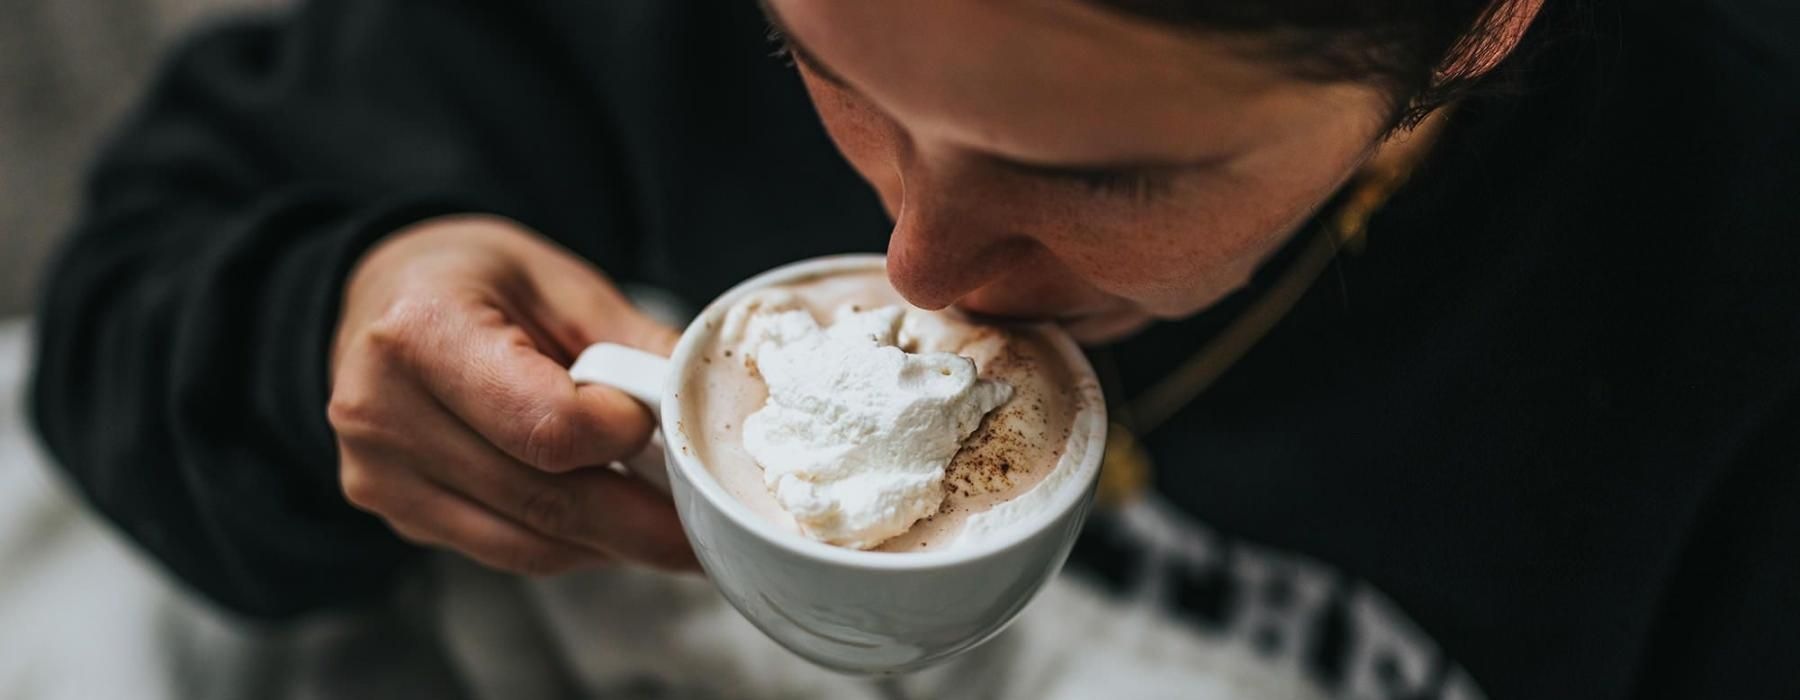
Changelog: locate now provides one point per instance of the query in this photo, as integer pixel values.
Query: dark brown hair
(1423, 53)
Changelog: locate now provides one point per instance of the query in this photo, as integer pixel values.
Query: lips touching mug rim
(701, 478)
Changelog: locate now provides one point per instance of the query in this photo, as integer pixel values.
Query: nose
(946, 244)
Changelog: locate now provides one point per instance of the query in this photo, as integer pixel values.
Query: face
(1052, 159)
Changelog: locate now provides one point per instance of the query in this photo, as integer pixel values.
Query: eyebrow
(779, 32)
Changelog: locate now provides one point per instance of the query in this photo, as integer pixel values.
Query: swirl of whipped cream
(856, 432)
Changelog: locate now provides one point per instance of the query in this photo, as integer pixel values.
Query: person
(1529, 427)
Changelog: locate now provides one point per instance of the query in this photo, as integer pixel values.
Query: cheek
(1186, 251)
(1171, 257)
(1179, 256)
(869, 140)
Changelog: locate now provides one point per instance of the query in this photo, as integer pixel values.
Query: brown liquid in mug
(1015, 446)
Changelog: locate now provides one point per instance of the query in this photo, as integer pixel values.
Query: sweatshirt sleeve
(1730, 627)
(183, 333)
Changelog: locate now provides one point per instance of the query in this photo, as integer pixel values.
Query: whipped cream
(856, 432)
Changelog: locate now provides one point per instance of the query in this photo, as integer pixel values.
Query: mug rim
(702, 480)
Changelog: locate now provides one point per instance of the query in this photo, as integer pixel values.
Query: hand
(456, 419)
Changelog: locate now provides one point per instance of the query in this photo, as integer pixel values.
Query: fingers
(651, 336)
(458, 425)
(595, 508)
(428, 514)
(577, 295)
(615, 513)
(488, 372)
(393, 439)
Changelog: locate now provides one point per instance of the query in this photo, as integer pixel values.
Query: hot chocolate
(891, 428)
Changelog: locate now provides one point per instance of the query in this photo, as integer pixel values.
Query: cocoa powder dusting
(1003, 457)
(986, 464)
(1008, 454)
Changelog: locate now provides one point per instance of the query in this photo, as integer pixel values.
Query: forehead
(1061, 79)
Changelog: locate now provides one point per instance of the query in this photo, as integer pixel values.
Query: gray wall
(67, 69)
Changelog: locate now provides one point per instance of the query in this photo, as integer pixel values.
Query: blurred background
(83, 614)
(68, 69)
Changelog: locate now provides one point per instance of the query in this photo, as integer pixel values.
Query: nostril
(917, 288)
(936, 274)
(948, 239)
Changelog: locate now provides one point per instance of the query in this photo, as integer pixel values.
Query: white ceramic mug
(844, 609)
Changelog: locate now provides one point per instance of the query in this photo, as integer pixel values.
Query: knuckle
(353, 415)
(552, 441)
(387, 337)
(397, 330)
(548, 510)
(360, 487)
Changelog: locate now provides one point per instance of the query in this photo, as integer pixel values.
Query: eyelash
(784, 49)
(1139, 186)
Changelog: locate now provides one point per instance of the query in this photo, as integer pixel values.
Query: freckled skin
(920, 95)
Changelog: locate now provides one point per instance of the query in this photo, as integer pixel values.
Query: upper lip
(1059, 318)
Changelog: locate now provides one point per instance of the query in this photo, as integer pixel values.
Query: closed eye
(1139, 185)
(793, 54)
(1138, 182)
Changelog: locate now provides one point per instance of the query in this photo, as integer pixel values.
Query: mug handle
(641, 376)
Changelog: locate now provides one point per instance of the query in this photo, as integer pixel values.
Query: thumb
(588, 309)
(635, 328)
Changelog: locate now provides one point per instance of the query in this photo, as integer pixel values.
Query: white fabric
(83, 615)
